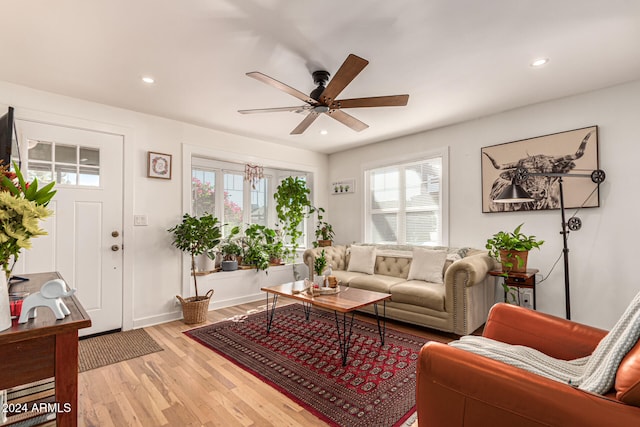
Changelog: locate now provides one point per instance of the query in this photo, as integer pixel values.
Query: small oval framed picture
(159, 165)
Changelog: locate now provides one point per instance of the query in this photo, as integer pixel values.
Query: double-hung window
(406, 202)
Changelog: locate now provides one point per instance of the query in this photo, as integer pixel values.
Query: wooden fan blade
(348, 120)
(281, 86)
(348, 71)
(305, 123)
(277, 109)
(374, 101)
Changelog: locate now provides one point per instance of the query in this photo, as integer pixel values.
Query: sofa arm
(335, 255)
(474, 268)
(459, 388)
(554, 336)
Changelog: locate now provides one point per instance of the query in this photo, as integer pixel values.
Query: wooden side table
(45, 347)
(525, 280)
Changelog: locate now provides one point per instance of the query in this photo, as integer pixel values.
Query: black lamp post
(514, 193)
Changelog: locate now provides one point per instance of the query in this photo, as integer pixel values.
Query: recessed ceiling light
(323, 132)
(539, 62)
(148, 79)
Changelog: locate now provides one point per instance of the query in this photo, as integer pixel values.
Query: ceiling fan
(323, 98)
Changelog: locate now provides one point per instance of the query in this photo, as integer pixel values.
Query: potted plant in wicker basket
(196, 236)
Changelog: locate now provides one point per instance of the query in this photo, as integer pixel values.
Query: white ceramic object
(50, 295)
(5, 309)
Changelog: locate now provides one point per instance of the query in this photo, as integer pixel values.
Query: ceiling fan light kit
(322, 100)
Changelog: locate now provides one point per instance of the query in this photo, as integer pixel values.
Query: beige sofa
(460, 304)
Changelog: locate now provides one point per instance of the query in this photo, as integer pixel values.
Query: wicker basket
(195, 309)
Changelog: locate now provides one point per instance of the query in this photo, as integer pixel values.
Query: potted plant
(231, 250)
(319, 264)
(324, 231)
(292, 207)
(196, 236)
(512, 248)
(274, 245)
(255, 251)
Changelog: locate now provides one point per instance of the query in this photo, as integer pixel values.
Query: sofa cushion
(362, 259)
(418, 292)
(628, 378)
(346, 276)
(427, 265)
(376, 283)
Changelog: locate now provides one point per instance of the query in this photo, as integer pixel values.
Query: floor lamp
(514, 193)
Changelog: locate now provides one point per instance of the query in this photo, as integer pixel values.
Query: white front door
(84, 242)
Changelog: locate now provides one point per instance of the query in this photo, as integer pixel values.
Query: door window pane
(67, 168)
(89, 156)
(66, 154)
(39, 150)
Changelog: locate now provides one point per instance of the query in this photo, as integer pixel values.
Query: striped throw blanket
(595, 373)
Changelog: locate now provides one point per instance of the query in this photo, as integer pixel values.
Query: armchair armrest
(458, 388)
(554, 336)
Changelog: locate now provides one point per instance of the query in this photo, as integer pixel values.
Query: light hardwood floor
(190, 385)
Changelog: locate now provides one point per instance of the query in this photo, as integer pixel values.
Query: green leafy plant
(320, 263)
(324, 230)
(231, 247)
(22, 207)
(196, 236)
(255, 247)
(292, 207)
(511, 241)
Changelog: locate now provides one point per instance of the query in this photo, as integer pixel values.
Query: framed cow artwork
(571, 152)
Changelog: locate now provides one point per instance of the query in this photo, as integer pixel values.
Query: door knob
(115, 248)
(115, 233)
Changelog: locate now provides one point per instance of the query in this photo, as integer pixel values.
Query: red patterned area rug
(301, 359)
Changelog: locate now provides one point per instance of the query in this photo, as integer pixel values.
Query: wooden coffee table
(348, 300)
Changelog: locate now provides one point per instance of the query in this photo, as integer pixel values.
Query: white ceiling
(458, 60)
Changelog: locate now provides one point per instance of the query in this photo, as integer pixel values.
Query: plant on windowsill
(512, 248)
(231, 250)
(196, 236)
(324, 231)
(255, 247)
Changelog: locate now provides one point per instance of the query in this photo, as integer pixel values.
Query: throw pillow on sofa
(362, 259)
(427, 265)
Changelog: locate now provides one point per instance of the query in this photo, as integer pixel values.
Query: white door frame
(127, 134)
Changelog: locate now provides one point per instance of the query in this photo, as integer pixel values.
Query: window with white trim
(405, 203)
(218, 187)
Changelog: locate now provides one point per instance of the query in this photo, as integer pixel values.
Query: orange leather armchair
(458, 388)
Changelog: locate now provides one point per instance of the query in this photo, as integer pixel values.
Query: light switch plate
(140, 220)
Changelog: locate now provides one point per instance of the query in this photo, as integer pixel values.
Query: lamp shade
(513, 194)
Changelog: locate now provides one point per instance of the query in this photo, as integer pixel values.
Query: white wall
(153, 270)
(602, 255)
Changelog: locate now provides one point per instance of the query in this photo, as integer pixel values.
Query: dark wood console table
(45, 347)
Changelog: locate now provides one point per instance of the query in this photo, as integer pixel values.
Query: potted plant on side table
(196, 236)
(512, 248)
